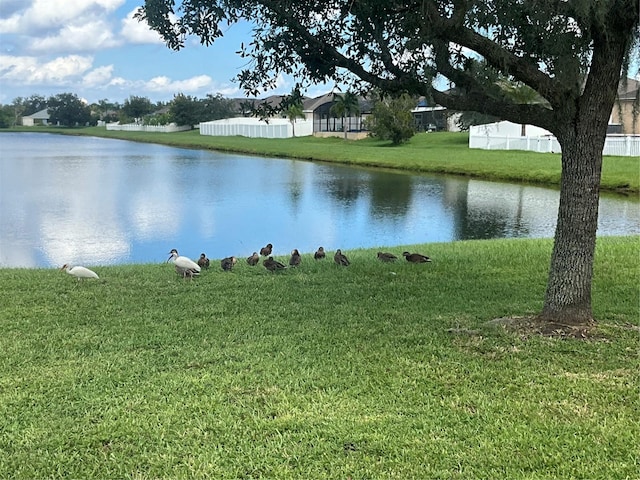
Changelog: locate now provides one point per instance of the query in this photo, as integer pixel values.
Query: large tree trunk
(568, 296)
(582, 136)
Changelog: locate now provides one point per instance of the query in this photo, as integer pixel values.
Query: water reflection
(98, 201)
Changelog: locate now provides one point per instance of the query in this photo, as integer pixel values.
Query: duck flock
(188, 269)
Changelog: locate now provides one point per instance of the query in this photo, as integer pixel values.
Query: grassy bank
(370, 371)
(443, 152)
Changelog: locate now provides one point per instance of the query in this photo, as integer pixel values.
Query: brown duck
(415, 257)
(228, 263)
(386, 257)
(253, 259)
(319, 255)
(203, 261)
(295, 259)
(273, 265)
(341, 259)
(266, 250)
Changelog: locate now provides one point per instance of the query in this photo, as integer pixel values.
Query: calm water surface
(96, 201)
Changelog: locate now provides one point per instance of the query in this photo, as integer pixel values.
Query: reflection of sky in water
(97, 201)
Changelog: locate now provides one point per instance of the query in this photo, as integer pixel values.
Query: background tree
(137, 107)
(245, 107)
(470, 118)
(185, 110)
(27, 106)
(67, 109)
(520, 94)
(216, 107)
(293, 106)
(571, 53)
(107, 111)
(6, 116)
(18, 110)
(345, 106)
(33, 104)
(293, 113)
(391, 118)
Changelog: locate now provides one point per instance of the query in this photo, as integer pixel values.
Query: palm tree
(246, 107)
(294, 112)
(522, 94)
(345, 106)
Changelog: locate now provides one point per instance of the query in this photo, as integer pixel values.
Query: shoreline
(369, 252)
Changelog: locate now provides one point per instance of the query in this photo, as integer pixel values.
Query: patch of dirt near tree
(533, 325)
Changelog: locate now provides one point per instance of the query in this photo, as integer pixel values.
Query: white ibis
(186, 272)
(184, 265)
(79, 272)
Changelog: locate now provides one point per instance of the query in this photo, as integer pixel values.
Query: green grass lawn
(370, 371)
(442, 152)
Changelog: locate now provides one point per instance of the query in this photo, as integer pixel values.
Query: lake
(96, 201)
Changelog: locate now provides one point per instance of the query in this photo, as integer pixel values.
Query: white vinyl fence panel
(256, 128)
(506, 136)
(134, 127)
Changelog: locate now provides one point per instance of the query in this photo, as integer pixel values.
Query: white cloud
(63, 68)
(85, 45)
(29, 70)
(226, 90)
(166, 85)
(50, 15)
(98, 77)
(77, 37)
(117, 82)
(135, 31)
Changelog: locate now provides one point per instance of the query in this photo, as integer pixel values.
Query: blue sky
(96, 50)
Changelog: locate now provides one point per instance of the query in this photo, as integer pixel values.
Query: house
(622, 116)
(38, 118)
(434, 118)
(327, 124)
(319, 120)
(429, 119)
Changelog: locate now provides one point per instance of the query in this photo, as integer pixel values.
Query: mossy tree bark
(582, 138)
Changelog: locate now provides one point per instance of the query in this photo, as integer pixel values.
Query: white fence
(620, 145)
(508, 136)
(256, 128)
(134, 127)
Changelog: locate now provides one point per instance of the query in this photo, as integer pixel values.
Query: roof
(311, 104)
(419, 109)
(41, 115)
(308, 104)
(629, 89)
